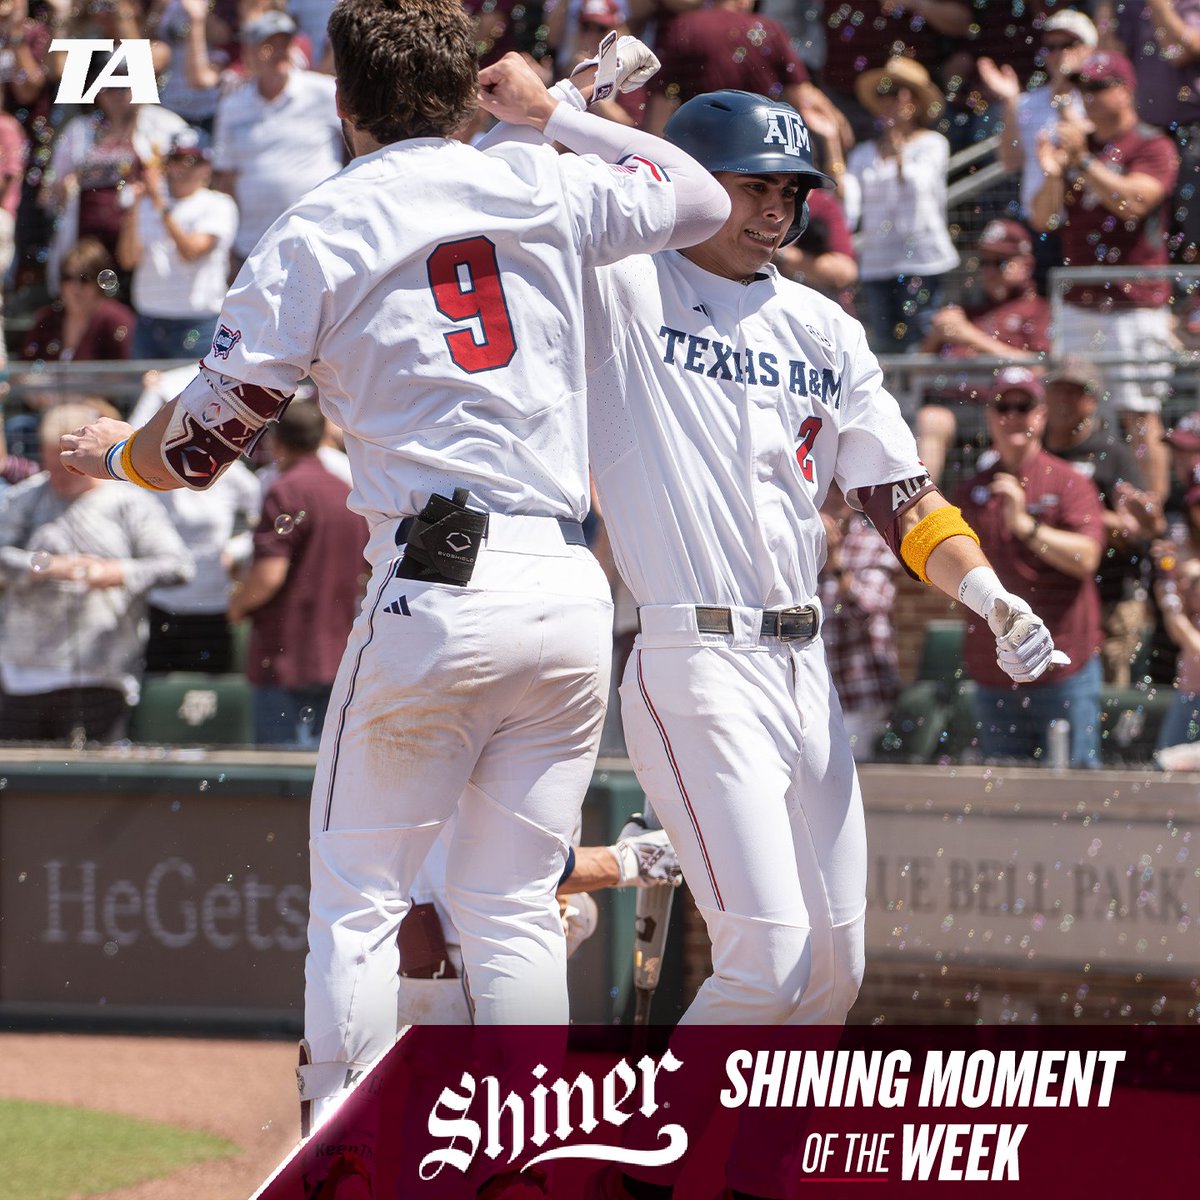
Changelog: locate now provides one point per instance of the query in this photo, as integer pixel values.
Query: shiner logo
(132, 54)
(553, 1113)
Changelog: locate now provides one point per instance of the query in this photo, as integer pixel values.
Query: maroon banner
(454, 1114)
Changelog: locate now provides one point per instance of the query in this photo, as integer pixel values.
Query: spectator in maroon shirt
(725, 46)
(1107, 184)
(1042, 527)
(1077, 433)
(504, 25)
(1011, 321)
(85, 323)
(1184, 442)
(1162, 39)
(28, 80)
(303, 587)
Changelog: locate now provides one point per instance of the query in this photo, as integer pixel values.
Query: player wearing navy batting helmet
(724, 402)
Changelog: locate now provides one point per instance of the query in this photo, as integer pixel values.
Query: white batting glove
(1024, 647)
(623, 65)
(645, 857)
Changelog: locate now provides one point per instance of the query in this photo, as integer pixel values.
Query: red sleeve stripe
(635, 162)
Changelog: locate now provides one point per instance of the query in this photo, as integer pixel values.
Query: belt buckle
(799, 610)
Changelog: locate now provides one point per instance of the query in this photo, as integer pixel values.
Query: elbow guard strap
(216, 420)
(929, 533)
(886, 503)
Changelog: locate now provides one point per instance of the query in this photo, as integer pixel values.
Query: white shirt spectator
(278, 149)
(208, 522)
(164, 283)
(904, 209)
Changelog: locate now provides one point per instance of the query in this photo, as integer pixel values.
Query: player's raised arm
(511, 91)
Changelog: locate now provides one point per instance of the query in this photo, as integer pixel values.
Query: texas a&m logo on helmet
(786, 130)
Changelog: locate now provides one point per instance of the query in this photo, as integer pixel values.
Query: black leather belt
(788, 624)
(572, 531)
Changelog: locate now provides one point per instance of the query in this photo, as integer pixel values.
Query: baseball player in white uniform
(433, 292)
(723, 400)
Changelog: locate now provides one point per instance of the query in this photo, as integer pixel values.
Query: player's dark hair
(301, 426)
(405, 68)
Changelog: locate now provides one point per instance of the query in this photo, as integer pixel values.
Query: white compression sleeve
(506, 131)
(701, 203)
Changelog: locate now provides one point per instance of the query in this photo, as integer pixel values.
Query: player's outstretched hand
(645, 856)
(511, 90)
(83, 450)
(1024, 647)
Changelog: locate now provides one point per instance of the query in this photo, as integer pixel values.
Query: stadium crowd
(1069, 444)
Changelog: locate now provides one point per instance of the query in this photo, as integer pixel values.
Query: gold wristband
(929, 533)
(131, 472)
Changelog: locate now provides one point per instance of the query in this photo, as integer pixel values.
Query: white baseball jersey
(448, 359)
(716, 426)
(718, 415)
(433, 293)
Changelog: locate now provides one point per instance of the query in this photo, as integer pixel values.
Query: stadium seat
(1130, 718)
(942, 653)
(182, 708)
(917, 726)
(239, 634)
(926, 718)
(962, 732)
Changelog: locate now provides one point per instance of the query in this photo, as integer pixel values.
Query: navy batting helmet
(739, 131)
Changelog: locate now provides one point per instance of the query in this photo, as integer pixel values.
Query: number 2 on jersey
(809, 429)
(465, 279)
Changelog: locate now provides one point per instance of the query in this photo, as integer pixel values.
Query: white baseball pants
(488, 700)
(738, 741)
